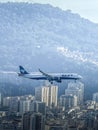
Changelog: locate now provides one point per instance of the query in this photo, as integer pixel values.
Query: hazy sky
(86, 8)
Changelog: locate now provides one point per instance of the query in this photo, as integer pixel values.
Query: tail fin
(22, 70)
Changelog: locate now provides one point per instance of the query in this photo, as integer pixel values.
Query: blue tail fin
(22, 70)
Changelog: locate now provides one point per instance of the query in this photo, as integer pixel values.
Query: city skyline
(32, 114)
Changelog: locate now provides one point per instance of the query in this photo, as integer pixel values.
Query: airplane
(58, 77)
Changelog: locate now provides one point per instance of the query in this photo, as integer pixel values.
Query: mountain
(46, 37)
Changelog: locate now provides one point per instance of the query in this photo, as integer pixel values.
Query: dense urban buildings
(45, 110)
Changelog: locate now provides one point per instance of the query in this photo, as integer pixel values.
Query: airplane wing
(49, 77)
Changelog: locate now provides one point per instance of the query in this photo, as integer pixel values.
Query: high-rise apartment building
(37, 106)
(95, 97)
(0, 99)
(6, 101)
(47, 94)
(24, 106)
(14, 104)
(42, 94)
(76, 88)
(33, 121)
(26, 121)
(37, 122)
(68, 101)
(53, 95)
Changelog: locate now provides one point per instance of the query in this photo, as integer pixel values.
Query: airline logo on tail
(22, 70)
